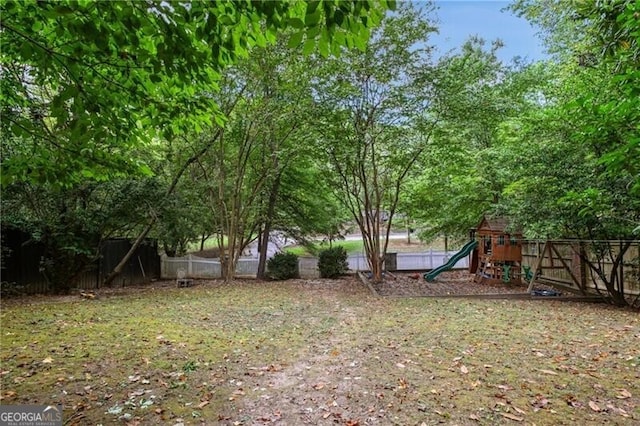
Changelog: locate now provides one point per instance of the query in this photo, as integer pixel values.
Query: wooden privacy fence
(143, 266)
(559, 263)
(198, 267)
(21, 267)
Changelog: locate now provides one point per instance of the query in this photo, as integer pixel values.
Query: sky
(460, 19)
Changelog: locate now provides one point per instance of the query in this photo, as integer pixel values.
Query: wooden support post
(537, 266)
(566, 266)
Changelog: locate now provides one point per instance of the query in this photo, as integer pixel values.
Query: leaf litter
(319, 352)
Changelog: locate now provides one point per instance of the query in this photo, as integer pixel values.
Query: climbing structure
(498, 256)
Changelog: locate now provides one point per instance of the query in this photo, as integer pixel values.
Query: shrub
(283, 266)
(333, 262)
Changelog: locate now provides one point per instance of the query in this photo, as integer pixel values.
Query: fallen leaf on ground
(512, 417)
(9, 394)
(594, 406)
(617, 410)
(539, 402)
(518, 410)
(47, 360)
(624, 394)
(551, 372)
(464, 369)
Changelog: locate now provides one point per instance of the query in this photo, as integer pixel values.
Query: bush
(333, 262)
(283, 266)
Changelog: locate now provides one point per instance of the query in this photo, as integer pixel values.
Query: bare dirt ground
(458, 282)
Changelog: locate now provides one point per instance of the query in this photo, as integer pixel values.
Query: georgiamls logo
(51, 407)
(30, 415)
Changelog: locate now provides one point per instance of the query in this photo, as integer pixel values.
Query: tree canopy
(86, 83)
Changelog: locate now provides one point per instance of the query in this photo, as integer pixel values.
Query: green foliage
(71, 222)
(369, 105)
(95, 92)
(283, 266)
(332, 262)
(578, 175)
(85, 83)
(463, 169)
(600, 41)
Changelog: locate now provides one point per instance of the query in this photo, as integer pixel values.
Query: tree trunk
(203, 239)
(615, 289)
(271, 208)
(123, 262)
(262, 247)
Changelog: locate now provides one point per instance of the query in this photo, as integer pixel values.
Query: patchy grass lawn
(319, 352)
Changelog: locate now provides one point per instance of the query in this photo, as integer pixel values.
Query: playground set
(496, 254)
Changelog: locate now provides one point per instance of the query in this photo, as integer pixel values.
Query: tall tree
(262, 141)
(464, 170)
(370, 102)
(601, 37)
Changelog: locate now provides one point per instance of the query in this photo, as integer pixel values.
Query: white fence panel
(169, 266)
(411, 261)
(428, 260)
(358, 262)
(308, 267)
(205, 268)
(247, 267)
(198, 267)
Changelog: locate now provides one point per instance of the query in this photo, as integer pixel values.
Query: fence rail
(199, 267)
(562, 264)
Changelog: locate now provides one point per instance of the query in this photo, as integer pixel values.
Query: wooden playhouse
(498, 256)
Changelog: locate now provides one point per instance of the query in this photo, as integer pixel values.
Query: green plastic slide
(431, 275)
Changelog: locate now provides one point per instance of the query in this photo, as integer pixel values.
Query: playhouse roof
(496, 224)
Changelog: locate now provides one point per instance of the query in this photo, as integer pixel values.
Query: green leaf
(361, 43)
(296, 23)
(323, 45)
(220, 119)
(312, 6)
(295, 40)
(308, 47)
(312, 19)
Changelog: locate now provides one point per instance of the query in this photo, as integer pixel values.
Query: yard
(318, 352)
